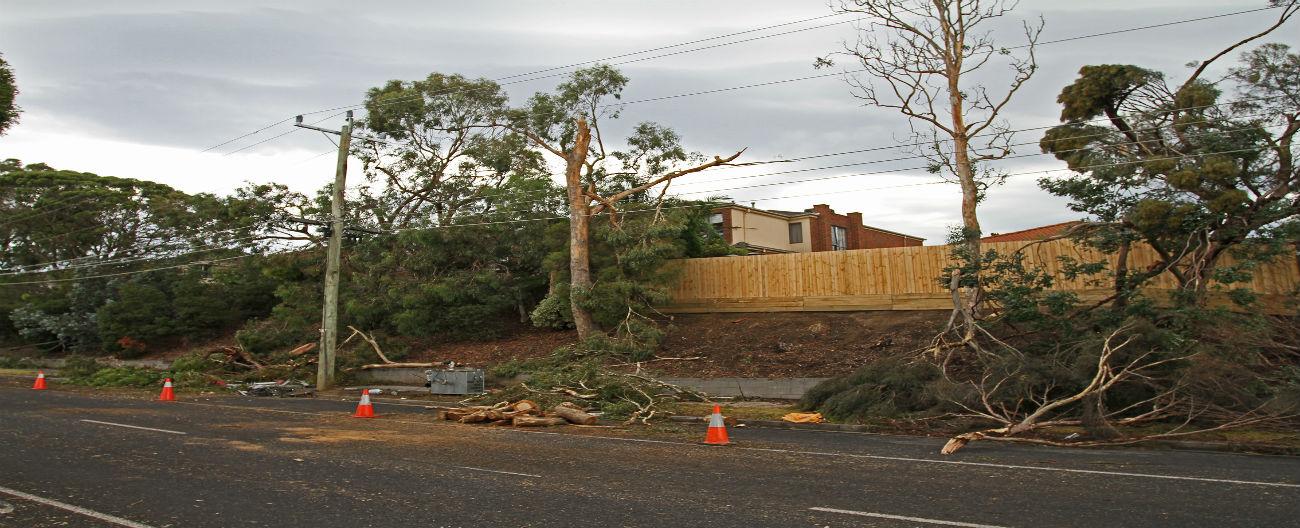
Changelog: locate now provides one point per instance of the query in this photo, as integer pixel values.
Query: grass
(745, 411)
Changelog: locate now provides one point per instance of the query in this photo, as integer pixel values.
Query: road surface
(78, 459)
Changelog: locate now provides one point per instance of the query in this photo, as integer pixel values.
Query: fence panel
(906, 278)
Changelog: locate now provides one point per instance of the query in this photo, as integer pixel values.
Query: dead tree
(920, 65)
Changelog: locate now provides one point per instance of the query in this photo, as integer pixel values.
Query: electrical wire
(1046, 171)
(771, 83)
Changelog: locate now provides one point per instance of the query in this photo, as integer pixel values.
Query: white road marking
(1032, 468)
(496, 471)
(903, 518)
(168, 431)
(848, 455)
(75, 509)
(949, 462)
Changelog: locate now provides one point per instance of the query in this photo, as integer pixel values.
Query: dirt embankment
(790, 344)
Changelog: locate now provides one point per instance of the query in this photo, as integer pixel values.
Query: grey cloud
(173, 74)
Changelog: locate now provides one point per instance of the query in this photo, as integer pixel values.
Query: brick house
(818, 229)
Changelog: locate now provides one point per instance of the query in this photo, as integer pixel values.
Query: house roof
(904, 235)
(783, 214)
(1033, 233)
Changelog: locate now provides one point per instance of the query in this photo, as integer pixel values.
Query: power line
(280, 135)
(1152, 26)
(892, 171)
(811, 77)
(841, 191)
(1046, 171)
(531, 74)
(26, 269)
(734, 88)
(822, 76)
(922, 156)
(678, 45)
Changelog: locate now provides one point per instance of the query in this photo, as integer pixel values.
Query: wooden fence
(902, 279)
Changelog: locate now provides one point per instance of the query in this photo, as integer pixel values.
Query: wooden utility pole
(330, 311)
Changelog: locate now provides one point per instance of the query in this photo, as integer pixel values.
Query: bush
(554, 311)
(126, 377)
(15, 363)
(79, 367)
(194, 362)
(887, 388)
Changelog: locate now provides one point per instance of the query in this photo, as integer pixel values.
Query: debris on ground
(800, 417)
(275, 389)
(523, 413)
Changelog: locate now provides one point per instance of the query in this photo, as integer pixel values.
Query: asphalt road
(75, 459)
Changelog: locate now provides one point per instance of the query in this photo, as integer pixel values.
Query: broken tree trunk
(537, 421)
(302, 349)
(574, 415)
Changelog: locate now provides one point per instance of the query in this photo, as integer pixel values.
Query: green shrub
(126, 377)
(79, 367)
(15, 363)
(193, 362)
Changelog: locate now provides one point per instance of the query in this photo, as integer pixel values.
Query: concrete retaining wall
(775, 388)
(391, 376)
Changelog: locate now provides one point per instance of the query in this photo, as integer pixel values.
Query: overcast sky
(139, 89)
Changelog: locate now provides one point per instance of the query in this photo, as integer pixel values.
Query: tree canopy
(9, 109)
(1196, 171)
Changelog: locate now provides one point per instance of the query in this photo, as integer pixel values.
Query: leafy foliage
(8, 92)
(887, 388)
(1181, 169)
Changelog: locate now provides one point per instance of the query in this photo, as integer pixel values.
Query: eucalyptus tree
(8, 92)
(921, 58)
(567, 124)
(429, 153)
(1196, 169)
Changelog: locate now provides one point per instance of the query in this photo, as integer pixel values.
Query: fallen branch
(373, 344)
(396, 365)
(302, 349)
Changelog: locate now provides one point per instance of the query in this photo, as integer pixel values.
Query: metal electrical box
(455, 380)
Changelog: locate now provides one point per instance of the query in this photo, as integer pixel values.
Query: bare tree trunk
(1121, 276)
(579, 231)
(965, 170)
(1094, 418)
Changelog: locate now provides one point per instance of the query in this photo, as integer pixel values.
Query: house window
(839, 238)
(796, 233)
(716, 221)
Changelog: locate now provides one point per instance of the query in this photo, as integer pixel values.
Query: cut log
(534, 421)
(395, 365)
(457, 414)
(526, 407)
(574, 416)
(302, 349)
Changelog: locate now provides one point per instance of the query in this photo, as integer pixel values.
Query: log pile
(523, 413)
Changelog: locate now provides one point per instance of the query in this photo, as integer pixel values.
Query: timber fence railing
(907, 278)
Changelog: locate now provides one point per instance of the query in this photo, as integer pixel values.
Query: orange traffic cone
(364, 408)
(167, 393)
(717, 434)
(40, 381)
